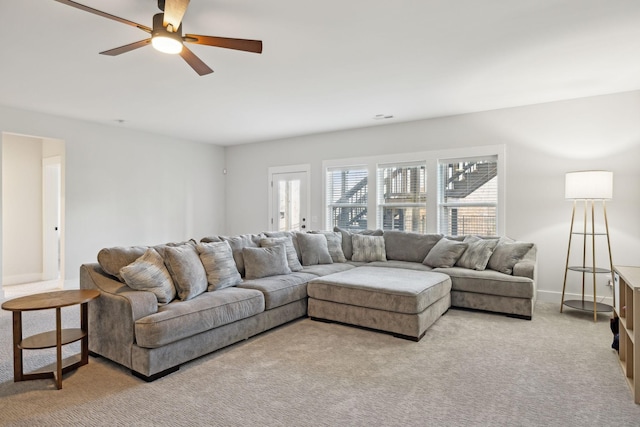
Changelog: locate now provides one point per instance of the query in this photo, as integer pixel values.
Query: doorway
(32, 210)
(289, 201)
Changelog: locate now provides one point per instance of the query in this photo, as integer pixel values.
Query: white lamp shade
(589, 185)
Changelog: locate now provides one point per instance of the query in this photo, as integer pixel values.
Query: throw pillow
(293, 235)
(478, 253)
(111, 260)
(186, 270)
(264, 262)
(347, 244)
(148, 273)
(445, 253)
(292, 255)
(237, 243)
(334, 245)
(219, 265)
(314, 249)
(368, 248)
(507, 254)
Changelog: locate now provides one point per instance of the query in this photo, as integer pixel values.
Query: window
(402, 197)
(347, 196)
(468, 196)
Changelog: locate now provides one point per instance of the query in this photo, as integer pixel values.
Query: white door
(51, 218)
(289, 201)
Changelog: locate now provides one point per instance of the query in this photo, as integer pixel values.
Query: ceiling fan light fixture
(166, 44)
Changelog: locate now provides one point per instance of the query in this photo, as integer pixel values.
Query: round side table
(56, 338)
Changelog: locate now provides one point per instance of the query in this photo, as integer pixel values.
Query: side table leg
(17, 350)
(58, 348)
(84, 325)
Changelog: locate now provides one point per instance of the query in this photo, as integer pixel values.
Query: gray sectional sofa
(162, 306)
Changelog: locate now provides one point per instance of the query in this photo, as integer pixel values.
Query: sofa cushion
(347, 243)
(489, 282)
(292, 255)
(405, 246)
(507, 254)
(390, 289)
(314, 249)
(400, 264)
(148, 273)
(182, 319)
(280, 290)
(265, 262)
(324, 269)
(445, 253)
(187, 271)
(111, 260)
(218, 262)
(368, 248)
(478, 253)
(334, 245)
(237, 243)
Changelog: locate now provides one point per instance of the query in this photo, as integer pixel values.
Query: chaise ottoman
(402, 302)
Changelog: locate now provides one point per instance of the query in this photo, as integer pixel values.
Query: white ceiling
(326, 65)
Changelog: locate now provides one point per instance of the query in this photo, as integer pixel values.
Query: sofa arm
(528, 265)
(112, 317)
(141, 303)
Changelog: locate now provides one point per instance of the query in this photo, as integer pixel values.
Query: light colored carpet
(471, 368)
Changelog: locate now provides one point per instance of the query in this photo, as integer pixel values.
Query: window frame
(432, 159)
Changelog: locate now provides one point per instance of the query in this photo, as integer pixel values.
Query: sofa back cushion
(240, 242)
(347, 243)
(406, 246)
(111, 260)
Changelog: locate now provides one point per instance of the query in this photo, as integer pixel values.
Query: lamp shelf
(588, 306)
(588, 233)
(596, 270)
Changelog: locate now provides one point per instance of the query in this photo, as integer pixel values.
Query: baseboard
(21, 279)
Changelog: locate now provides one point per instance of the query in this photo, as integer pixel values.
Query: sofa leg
(93, 354)
(519, 316)
(155, 376)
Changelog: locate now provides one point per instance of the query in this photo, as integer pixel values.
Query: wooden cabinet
(627, 306)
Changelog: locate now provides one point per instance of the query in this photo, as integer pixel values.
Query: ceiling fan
(166, 34)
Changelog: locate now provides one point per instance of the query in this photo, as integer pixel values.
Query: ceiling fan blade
(254, 46)
(104, 14)
(174, 11)
(126, 48)
(195, 62)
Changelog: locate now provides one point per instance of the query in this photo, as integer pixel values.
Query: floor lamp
(591, 187)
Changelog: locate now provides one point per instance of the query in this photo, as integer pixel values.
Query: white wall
(543, 143)
(22, 210)
(128, 188)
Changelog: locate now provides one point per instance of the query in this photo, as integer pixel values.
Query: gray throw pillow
(186, 270)
(265, 262)
(445, 253)
(347, 244)
(334, 245)
(148, 273)
(219, 265)
(507, 254)
(478, 253)
(238, 243)
(314, 249)
(368, 248)
(292, 255)
(111, 260)
(293, 235)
